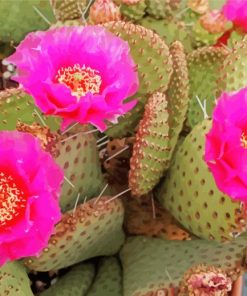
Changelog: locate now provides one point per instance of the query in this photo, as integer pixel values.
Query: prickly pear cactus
(108, 280)
(90, 230)
(65, 10)
(151, 149)
(177, 95)
(204, 66)
(133, 11)
(16, 105)
(138, 212)
(76, 151)
(75, 283)
(170, 31)
(14, 280)
(233, 75)
(18, 20)
(149, 52)
(153, 266)
(189, 192)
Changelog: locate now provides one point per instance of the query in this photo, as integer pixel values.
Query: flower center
(80, 80)
(12, 200)
(243, 140)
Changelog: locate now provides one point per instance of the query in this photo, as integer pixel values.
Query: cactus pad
(68, 9)
(133, 11)
(75, 283)
(170, 31)
(233, 71)
(161, 9)
(108, 280)
(152, 266)
(149, 52)
(93, 229)
(14, 280)
(177, 94)
(18, 20)
(151, 149)
(204, 69)
(16, 105)
(78, 156)
(192, 197)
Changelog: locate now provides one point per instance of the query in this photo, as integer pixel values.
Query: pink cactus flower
(82, 74)
(226, 144)
(30, 184)
(236, 11)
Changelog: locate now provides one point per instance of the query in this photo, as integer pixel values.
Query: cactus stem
(40, 117)
(76, 202)
(117, 153)
(101, 193)
(118, 195)
(68, 181)
(41, 15)
(203, 107)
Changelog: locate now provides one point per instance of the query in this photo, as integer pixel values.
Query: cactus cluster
(141, 212)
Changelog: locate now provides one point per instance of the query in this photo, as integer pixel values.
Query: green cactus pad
(79, 158)
(75, 283)
(153, 266)
(16, 105)
(133, 11)
(17, 18)
(204, 69)
(202, 37)
(149, 52)
(151, 148)
(93, 229)
(234, 69)
(108, 280)
(177, 94)
(191, 195)
(161, 9)
(14, 280)
(170, 31)
(65, 10)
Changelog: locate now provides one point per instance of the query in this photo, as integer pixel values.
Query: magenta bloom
(30, 184)
(226, 144)
(82, 74)
(236, 11)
